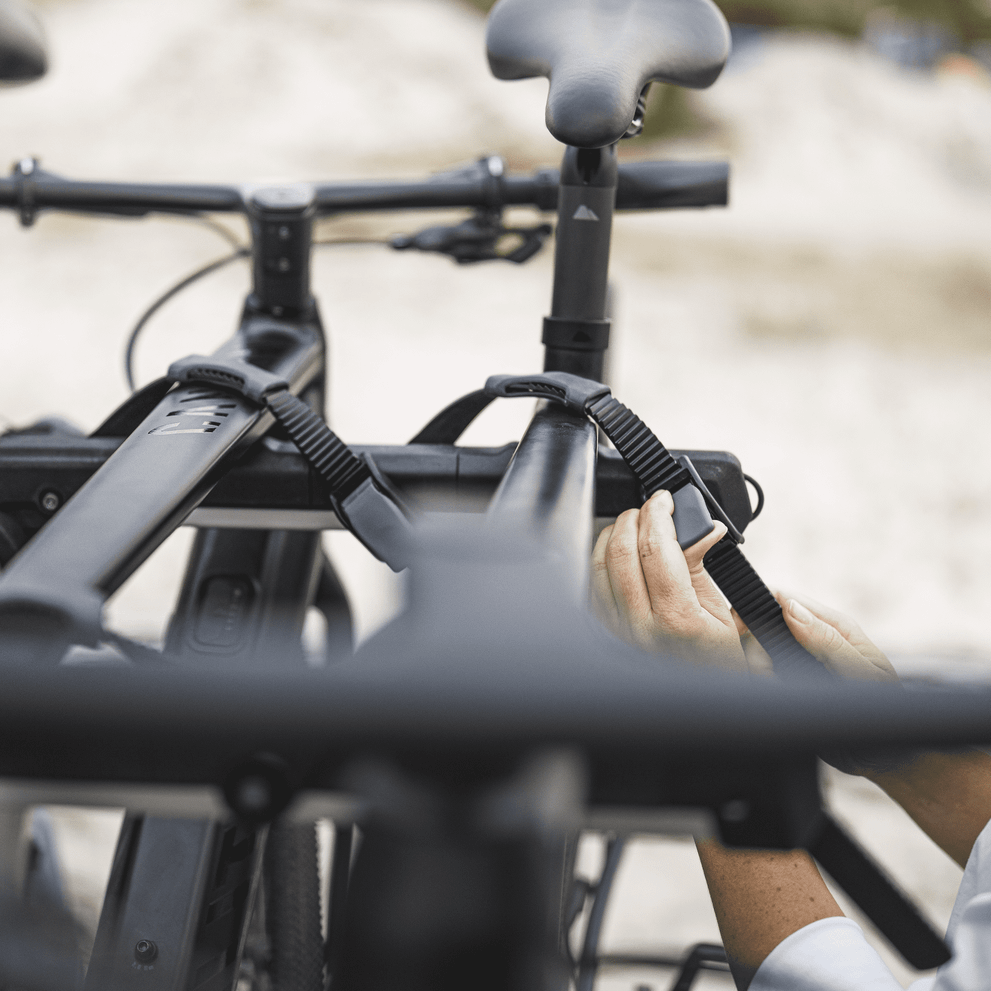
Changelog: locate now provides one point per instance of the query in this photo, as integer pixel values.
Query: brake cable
(241, 251)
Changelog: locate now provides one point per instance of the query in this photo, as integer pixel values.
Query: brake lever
(476, 239)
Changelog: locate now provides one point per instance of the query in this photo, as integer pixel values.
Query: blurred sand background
(832, 327)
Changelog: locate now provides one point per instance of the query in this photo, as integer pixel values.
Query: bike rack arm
(52, 593)
(549, 489)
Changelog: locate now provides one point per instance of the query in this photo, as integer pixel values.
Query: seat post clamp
(576, 335)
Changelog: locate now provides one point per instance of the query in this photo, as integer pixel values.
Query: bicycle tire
(292, 888)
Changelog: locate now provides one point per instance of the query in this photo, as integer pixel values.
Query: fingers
(709, 596)
(825, 641)
(665, 568)
(639, 569)
(603, 600)
(698, 550)
(850, 631)
(627, 585)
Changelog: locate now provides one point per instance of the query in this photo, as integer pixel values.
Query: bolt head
(50, 501)
(145, 951)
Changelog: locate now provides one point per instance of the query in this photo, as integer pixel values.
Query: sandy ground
(832, 328)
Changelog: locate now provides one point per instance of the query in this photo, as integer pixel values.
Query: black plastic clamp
(576, 335)
(573, 391)
(715, 509)
(234, 373)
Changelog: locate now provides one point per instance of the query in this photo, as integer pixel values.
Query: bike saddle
(599, 55)
(22, 43)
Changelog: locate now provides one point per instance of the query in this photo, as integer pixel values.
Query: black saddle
(22, 43)
(599, 55)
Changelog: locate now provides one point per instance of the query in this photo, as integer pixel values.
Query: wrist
(947, 793)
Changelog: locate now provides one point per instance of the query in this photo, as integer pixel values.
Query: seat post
(576, 334)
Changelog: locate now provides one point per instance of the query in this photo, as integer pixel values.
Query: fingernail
(800, 612)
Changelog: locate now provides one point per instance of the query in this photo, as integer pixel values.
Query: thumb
(824, 642)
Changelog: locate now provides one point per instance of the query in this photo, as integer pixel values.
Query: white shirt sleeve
(832, 954)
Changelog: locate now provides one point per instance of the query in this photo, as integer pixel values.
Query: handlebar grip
(659, 185)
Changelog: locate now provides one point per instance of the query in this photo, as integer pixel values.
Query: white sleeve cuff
(828, 955)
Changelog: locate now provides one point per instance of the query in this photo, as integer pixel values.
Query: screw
(283, 264)
(50, 501)
(284, 232)
(145, 951)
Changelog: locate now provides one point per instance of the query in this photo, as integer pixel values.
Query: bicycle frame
(246, 591)
(473, 756)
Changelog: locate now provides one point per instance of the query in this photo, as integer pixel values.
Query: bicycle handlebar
(642, 186)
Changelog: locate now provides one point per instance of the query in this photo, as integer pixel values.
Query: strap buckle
(715, 510)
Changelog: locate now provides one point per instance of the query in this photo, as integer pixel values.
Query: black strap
(649, 459)
(653, 464)
(332, 459)
(452, 421)
(758, 608)
(894, 915)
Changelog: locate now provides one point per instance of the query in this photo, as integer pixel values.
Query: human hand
(835, 640)
(656, 596)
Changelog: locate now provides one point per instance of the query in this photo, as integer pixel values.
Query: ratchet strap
(654, 466)
(365, 503)
(695, 507)
(363, 500)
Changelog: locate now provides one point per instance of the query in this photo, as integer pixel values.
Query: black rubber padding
(599, 55)
(292, 904)
(452, 421)
(330, 457)
(891, 912)
(758, 608)
(642, 451)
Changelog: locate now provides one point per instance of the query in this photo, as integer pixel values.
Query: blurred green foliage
(969, 20)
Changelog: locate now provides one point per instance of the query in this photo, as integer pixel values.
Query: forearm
(761, 897)
(947, 794)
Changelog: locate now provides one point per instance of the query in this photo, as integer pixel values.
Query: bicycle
(255, 746)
